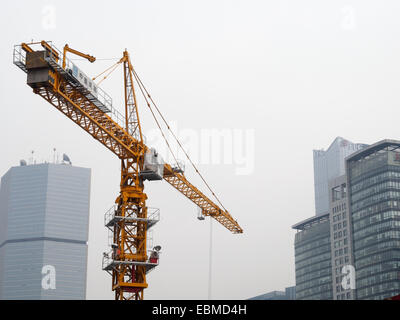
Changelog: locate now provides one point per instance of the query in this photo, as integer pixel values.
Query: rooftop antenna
(54, 155)
(66, 159)
(31, 159)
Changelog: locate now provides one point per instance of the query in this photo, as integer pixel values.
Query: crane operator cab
(153, 167)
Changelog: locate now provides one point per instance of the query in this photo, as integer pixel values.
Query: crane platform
(111, 217)
(110, 264)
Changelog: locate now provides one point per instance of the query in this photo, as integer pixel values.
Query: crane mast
(55, 78)
(130, 232)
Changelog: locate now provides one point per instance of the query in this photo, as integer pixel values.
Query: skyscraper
(44, 219)
(364, 218)
(323, 242)
(373, 179)
(328, 165)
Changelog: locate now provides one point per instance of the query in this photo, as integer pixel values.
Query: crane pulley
(74, 94)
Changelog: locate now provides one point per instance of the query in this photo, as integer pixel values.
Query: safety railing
(66, 66)
(111, 259)
(19, 57)
(112, 215)
(178, 166)
(75, 75)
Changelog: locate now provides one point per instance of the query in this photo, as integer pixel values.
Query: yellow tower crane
(60, 82)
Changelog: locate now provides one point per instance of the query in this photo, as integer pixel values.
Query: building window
(336, 193)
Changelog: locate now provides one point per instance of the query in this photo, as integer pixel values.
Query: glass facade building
(313, 259)
(322, 243)
(373, 179)
(44, 220)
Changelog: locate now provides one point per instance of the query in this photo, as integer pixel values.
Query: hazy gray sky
(295, 73)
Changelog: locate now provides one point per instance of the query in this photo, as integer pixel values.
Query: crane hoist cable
(97, 59)
(113, 67)
(142, 90)
(159, 127)
(140, 84)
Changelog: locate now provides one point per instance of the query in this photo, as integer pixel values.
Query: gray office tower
(44, 218)
(328, 165)
(373, 179)
(323, 242)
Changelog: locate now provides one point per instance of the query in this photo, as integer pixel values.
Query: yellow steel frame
(129, 280)
(208, 207)
(76, 52)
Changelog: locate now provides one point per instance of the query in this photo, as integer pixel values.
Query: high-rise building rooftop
(328, 165)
